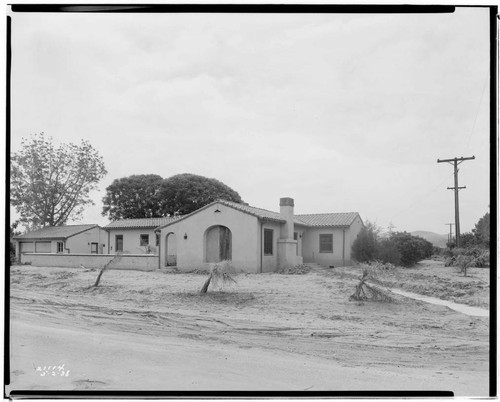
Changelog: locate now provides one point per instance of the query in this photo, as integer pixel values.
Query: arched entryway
(170, 250)
(218, 244)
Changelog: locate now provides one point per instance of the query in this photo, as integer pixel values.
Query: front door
(218, 244)
(119, 244)
(93, 248)
(224, 243)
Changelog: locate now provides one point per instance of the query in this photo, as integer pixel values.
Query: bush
(364, 248)
(411, 248)
(388, 252)
(476, 257)
(400, 248)
(12, 254)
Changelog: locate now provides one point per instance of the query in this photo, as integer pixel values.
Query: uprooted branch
(220, 274)
(367, 292)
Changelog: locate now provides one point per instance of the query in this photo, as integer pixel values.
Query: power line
(422, 197)
(477, 112)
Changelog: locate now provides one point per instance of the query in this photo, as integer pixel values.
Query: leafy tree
(364, 248)
(482, 230)
(136, 196)
(51, 184)
(468, 240)
(185, 193)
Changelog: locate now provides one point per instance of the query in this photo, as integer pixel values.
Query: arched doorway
(218, 244)
(170, 250)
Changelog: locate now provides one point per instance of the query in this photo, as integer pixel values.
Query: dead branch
(106, 266)
(205, 286)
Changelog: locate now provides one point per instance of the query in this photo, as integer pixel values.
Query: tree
(49, 185)
(185, 193)
(364, 248)
(482, 230)
(12, 248)
(136, 196)
(468, 240)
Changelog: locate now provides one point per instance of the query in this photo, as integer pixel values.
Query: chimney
(286, 212)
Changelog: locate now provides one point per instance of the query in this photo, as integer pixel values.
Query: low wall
(140, 262)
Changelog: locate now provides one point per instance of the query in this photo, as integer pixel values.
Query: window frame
(141, 240)
(61, 244)
(322, 244)
(268, 242)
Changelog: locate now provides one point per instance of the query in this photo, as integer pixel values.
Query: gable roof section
(329, 219)
(310, 220)
(55, 232)
(257, 212)
(141, 223)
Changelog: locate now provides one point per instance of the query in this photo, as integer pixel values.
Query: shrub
(411, 248)
(364, 248)
(12, 254)
(476, 257)
(388, 252)
(400, 248)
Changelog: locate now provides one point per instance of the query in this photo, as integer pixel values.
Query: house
(257, 240)
(72, 239)
(134, 236)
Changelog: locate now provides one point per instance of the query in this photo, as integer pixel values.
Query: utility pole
(456, 162)
(450, 236)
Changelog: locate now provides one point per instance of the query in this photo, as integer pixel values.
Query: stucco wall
(270, 262)
(132, 240)
(310, 240)
(81, 243)
(191, 251)
(142, 262)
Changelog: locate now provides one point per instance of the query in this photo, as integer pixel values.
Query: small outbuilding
(68, 239)
(257, 240)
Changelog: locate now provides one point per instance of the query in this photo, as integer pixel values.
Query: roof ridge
(327, 213)
(251, 206)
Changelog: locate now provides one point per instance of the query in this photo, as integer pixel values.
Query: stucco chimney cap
(286, 201)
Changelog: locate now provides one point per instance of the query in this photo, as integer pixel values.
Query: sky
(341, 112)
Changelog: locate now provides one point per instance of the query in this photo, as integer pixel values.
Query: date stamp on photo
(52, 371)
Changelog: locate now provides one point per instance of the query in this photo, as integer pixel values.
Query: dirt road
(154, 330)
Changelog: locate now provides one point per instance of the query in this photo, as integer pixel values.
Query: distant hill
(438, 240)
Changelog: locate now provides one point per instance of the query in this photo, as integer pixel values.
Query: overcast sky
(340, 112)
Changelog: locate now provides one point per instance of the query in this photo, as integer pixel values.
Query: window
(60, 247)
(157, 239)
(144, 239)
(326, 243)
(268, 242)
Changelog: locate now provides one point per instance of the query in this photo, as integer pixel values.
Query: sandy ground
(154, 331)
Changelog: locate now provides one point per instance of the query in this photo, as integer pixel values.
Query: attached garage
(26, 247)
(43, 247)
(84, 239)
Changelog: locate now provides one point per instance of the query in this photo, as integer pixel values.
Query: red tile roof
(140, 223)
(55, 232)
(310, 220)
(329, 219)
